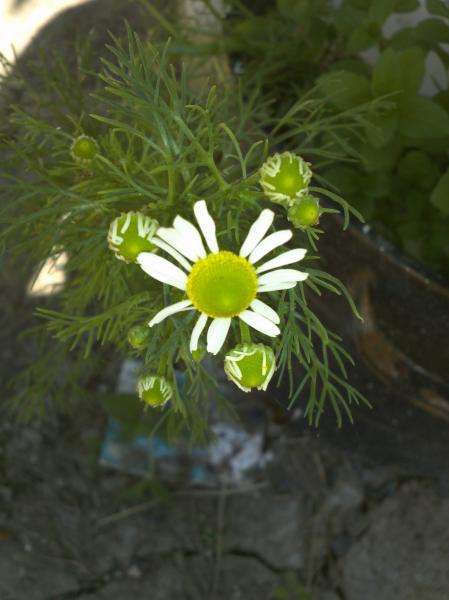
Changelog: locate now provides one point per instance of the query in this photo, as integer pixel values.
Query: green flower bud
(250, 366)
(304, 212)
(84, 149)
(199, 354)
(138, 336)
(130, 234)
(154, 390)
(285, 177)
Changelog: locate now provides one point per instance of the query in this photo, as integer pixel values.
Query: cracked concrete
(351, 536)
(277, 535)
(404, 552)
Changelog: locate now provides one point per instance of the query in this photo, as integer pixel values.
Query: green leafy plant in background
(401, 182)
(150, 149)
(287, 43)
(399, 177)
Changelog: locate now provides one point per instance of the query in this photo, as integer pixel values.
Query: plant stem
(206, 155)
(161, 368)
(171, 183)
(245, 333)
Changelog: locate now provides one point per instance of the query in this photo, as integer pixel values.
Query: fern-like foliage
(161, 148)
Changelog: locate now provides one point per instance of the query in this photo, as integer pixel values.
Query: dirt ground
(317, 523)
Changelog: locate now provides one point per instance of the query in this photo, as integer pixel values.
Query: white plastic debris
(236, 452)
(230, 458)
(127, 379)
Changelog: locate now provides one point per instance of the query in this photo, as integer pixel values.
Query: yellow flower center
(222, 284)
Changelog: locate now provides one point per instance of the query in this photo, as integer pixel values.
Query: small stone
(6, 494)
(275, 529)
(134, 572)
(346, 495)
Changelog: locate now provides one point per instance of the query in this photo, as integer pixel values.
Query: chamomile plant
(184, 241)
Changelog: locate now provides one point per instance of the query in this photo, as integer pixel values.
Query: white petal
(191, 236)
(263, 309)
(286, 258)
(170, 250)
(287, 285)
(282, 276)
(207, 224)
(216, 334)
(175, 239)
(161, 269)
(260, 323)
(197, 331)
(256, 232)
(170, 310)
(270, 243)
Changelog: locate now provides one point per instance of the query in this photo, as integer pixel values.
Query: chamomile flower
(154, 390)
(304, 212)
(84, 149)
(285, 177)
(130, 234)
(220, 284)
(138, 336)
(250, 366)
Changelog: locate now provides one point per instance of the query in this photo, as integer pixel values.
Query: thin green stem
(245, 333)
(222, 184)
(161, 367)
(171, 183)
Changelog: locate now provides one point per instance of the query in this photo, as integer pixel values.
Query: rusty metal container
(401, 350)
